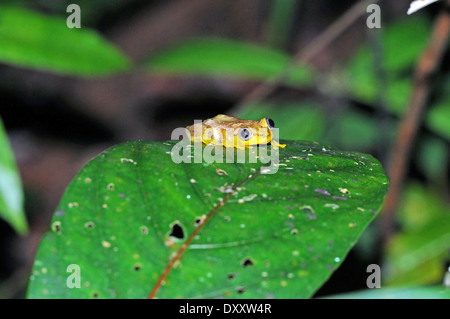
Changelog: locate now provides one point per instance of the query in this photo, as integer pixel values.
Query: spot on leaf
(56, 227)
(240, 290)
(89, 225)
(144, 230)
(137, 267)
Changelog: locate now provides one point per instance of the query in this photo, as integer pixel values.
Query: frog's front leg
(277, 145)
(211, 136)
(239, 145)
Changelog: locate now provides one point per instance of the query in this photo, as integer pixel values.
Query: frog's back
(223, 121)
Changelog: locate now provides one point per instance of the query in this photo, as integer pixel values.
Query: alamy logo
(74, 279)
(374, 19)
(74, 19)
(374, 280)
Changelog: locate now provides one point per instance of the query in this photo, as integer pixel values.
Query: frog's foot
(277, 145)
(239, 146)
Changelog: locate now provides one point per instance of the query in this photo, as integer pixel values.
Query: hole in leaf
(95, 295)
(247, 262)
(137, 267)
(231, 276)
(56, 227)
(176, 231)
(240, 290)
(199, 220)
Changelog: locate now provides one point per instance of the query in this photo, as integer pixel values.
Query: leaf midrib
(186, 244)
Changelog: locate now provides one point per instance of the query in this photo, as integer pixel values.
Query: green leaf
(415, 292)
(282, 13)
(438, 118)
(403, 42)
(11, 194)
(228, 58)
(281, 235)
(35, 40)
(354, 130)
(433, 159)
(417, 254)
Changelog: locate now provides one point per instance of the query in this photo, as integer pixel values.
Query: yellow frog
(232, 132)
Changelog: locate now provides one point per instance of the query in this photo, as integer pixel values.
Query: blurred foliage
(226, 58)
(353, 130)
(11, 194)
(433, 159)
(403, 43)
(438, 117)
(280, 22)
(45, 42)
(417, 254)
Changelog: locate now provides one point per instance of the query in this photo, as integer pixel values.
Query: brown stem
(426, 67)
(186, 244)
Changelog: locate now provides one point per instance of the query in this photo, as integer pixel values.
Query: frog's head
(259, 132)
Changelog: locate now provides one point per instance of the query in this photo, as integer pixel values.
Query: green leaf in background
(282, 13)
(354, 131)
(417, 254)
(438, 113)
(415, 292)
(433, 159)
(228, 58)
(403, 43)
(11, 193)
(30, 39)
(438, 118)
(281, 235)
(297, 121)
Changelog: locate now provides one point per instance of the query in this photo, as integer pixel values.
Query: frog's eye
(270, 123)
(245, 133)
